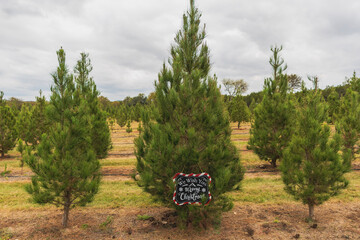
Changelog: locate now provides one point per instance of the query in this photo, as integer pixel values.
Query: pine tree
(23, 125)
(252, 108)
(333, 101)
(348, 124)
(190, 132)
(66, 170)
(312, 168)
(272, 126)
(140, 127)
(239, 110)
(128, 127)
(8, 134)
(100, 132)
(39, 123)
(121, 116)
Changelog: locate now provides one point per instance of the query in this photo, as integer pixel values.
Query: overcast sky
(129, 40)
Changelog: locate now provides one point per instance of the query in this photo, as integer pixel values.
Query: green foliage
(5, 172)
(128, 127)
(21, 149)
(143, 217)
(252, 108)
(31, 123)
(190, 132)
(140, 128)
(8, 134)
(333, 101)
(100, 132)
(23, 125)
(348, 124)
(312, 168)
(39, 123)
(122, 115)
(239, 111)
(106, 223)
(66, 170)
(273, 125)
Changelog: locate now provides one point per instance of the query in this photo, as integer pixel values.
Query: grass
(261, 189)
(114, 194)
(118, 162)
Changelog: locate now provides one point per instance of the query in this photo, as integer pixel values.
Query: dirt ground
(334, 221)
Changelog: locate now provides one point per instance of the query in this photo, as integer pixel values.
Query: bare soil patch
(251, 221)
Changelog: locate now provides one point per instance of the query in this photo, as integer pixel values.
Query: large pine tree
(272, 126)
(312, 168)
(66, 170)
(191, 130)
(100, 132)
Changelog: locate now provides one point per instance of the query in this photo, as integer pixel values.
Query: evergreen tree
(66, 170)
(140, 127)
(121, 116)
(8, 134)
(333, 101)
(128, 127)
(272, 126)
(191, 131)
(312, 168)
(100, 132)
(23, 125)
(348, 124)
(252, 108)
(39, 123)
(239, 110)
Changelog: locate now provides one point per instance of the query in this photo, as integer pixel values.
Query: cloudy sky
(129, 40)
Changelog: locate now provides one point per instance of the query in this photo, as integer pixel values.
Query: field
(122, 211)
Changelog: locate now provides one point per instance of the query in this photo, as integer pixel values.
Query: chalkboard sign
(191, 188)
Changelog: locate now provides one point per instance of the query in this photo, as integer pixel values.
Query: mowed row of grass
(261, 188)
(114, 194)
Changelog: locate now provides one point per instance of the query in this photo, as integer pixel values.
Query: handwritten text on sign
(191, 188)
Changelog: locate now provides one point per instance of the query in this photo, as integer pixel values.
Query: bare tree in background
(235, 87)
(294, 81)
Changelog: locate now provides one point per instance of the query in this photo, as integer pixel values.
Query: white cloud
(129, 40)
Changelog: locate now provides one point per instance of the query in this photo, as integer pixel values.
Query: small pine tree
(121, 116)
(66, 170)
(190, 132)
(128, 127)
(8, 134)
(312, 168)
(21, 148)
(39, 122)
(100, 132)
(23, 125)
(333, 101)
(252, 108)
(140, 127)
(348, 124)
(273, 125)
(239, 110)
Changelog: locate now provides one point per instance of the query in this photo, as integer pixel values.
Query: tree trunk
(311, 212)
(238, 125)
(66, 211)
(273, 163)
(2, 155)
